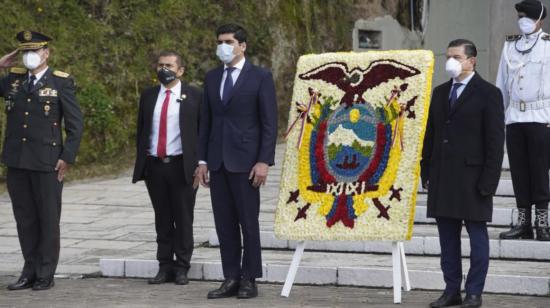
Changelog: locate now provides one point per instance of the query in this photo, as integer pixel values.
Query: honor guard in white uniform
(524, 79)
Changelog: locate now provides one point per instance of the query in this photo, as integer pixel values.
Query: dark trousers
(451, 260)
(236, 207)
(173, 202)
(529, 153)
(36, 201)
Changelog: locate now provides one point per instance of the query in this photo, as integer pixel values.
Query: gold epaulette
(18, 70)
(546, 37)
(511, 38)
(60, 74)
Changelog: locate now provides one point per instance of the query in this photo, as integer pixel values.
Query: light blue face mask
(225, 53)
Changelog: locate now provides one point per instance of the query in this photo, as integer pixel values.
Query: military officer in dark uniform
(39, 101)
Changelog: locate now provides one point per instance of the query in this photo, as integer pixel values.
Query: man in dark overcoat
(461, 163)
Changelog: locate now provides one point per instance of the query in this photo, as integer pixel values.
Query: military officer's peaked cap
(531, 8)
(30, 40)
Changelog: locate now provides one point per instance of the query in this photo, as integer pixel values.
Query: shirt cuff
(202, 162)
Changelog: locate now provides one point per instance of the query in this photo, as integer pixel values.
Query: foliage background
(109, 47)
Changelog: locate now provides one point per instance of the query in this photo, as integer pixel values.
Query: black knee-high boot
(541, 225)
(523, 229)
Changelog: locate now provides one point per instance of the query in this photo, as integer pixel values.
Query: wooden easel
(400, 270)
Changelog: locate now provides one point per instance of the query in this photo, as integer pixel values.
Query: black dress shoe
(472, 301)
(518, 232)
(21, 283)
(229, 288)
(43, 284)
(248, 289)
(447, 300)
(181, 278)
(162, 276)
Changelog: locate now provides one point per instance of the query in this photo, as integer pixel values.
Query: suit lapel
(150, 102)
(240, 81)
(446, 92)
(465, 95)
(25, 84)
(183, 106)
(218, 83)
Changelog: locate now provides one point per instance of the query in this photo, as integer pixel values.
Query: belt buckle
(522, 106)
(165, 160)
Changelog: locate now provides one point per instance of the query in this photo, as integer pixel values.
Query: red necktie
(161, 146)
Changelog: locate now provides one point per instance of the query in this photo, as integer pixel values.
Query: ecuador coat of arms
(354, 142)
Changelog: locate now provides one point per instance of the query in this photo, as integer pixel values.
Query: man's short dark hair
(238, 32)
(470, 49)
(171, 53)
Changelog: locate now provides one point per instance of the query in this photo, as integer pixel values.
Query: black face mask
(166, 76)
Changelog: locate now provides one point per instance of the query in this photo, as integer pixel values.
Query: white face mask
(453, 67)
(527, 25)
(31, 60)
(225, 53)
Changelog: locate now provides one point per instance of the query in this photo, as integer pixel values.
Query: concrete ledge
(327, 275)
(112, 267)
(306, 275)
(140, 268)
(418, 245)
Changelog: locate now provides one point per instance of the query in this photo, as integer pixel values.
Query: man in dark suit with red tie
(166, 159)
(238, 133)
(461, 163)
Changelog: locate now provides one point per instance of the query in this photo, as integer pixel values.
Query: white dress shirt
(234, 75)
(173, 132)
(524, 79)
(463, 86)
(38, 76)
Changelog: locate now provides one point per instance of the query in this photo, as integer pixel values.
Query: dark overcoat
(463, 151)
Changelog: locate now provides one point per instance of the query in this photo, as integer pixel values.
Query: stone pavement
(110, 292)
(112, 219)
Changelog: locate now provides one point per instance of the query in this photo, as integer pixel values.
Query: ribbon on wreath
(303, 113)
(394, 95)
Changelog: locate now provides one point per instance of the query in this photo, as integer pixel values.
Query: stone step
(502, 217)
(504, 188)
(349, 269)
(504, 211)
(425, 241)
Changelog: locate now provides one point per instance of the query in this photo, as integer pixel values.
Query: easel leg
(404, 268)
(396, 256)
(291, 275)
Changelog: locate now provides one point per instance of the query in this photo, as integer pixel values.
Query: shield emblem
(353, 148)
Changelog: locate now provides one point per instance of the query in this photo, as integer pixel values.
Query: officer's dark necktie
(454, 94)
(227, 85)
(31, 82)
